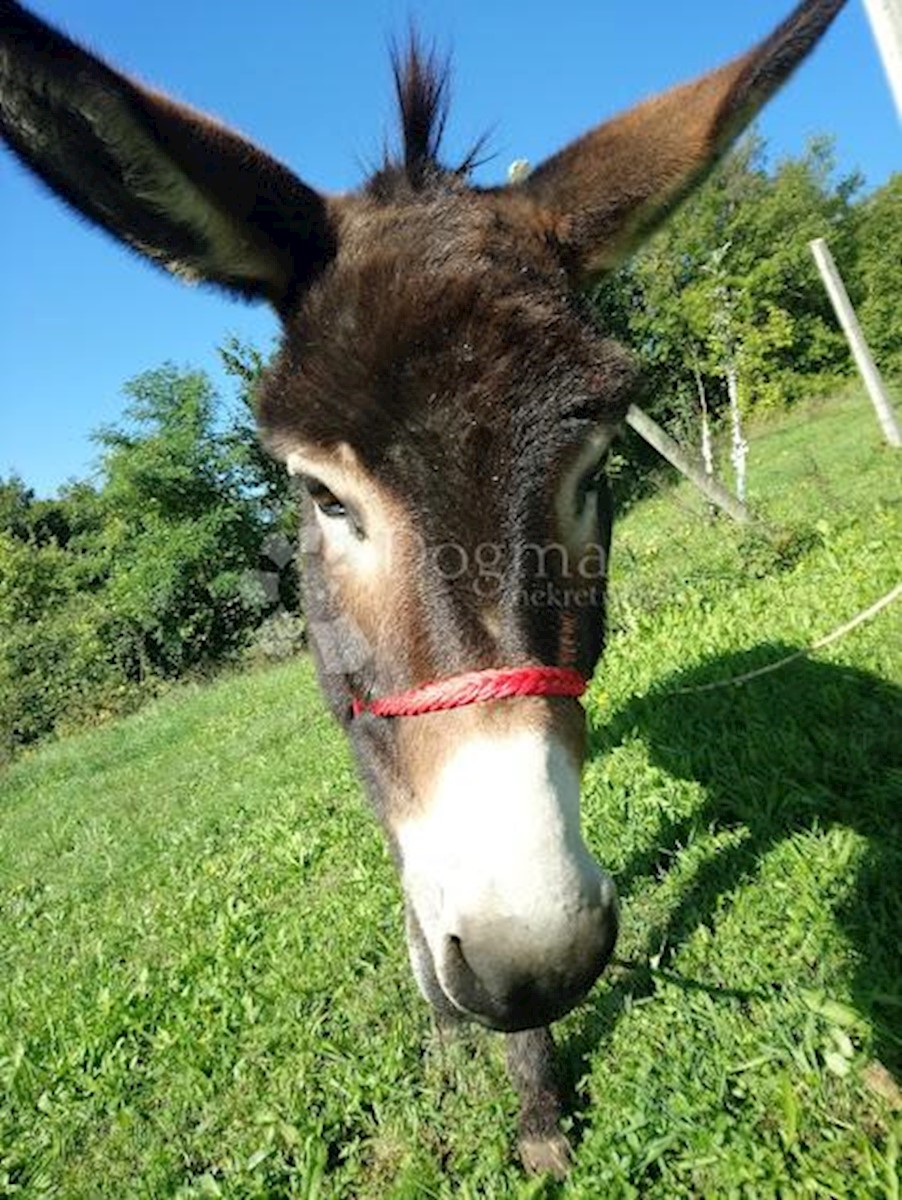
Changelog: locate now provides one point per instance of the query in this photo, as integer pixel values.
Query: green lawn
(203, 984)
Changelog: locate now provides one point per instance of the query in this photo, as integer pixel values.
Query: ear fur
(605, 193)
(184, 191)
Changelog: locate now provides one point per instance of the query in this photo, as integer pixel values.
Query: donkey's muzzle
(494, 973)
(517, 918)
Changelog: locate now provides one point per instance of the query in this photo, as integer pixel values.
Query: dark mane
(423, 92)
(422, 79)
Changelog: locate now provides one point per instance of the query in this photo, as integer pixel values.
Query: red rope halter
(473, 687)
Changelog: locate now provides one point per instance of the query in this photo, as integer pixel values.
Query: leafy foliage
(110, 590)
(260, 474)
(730, 282)
(879, 249)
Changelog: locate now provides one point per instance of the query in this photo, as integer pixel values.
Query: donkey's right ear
(181, 189)
(601, 196)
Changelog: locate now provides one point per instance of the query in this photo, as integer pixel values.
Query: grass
(203, 985)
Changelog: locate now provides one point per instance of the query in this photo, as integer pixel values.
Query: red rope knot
(475, 687)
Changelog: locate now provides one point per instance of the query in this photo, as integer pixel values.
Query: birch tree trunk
(725, 340)
(707, 445)
(740, 447)
(707, 448)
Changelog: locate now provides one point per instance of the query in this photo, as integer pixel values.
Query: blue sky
(311, 84)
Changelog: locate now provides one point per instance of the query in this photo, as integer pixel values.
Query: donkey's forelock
(422, 80)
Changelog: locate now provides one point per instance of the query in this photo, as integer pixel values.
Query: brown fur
(612, 187)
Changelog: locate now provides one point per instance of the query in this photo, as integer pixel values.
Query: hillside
(203, 984)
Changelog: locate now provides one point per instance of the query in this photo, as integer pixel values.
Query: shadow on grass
(808, 746)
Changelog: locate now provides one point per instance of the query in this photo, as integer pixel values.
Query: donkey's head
(447, 403)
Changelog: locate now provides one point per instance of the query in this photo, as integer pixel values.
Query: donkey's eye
(590, 484)
(327, 503)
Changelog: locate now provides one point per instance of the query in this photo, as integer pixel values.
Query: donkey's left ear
(177, 187)
(604, 193)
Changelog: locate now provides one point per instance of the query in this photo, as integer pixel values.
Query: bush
(280, 636)
(56, 670)
(106, 593)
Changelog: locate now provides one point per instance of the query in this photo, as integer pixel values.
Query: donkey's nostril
(468, 990)
(496, 973)
(500, 1000)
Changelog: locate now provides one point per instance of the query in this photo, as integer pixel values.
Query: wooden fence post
(677, 456)
(845, 313)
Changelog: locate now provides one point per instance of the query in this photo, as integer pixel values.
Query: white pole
(842, 305)
(652, 432)
(886, 23)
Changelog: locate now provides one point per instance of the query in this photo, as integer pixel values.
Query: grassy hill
(203, 985)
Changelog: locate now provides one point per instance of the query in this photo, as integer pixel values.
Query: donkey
(447, 402)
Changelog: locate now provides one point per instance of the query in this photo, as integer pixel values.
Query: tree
(16, 501)
(182, 531)
(725, 300)
(262, 476)
(790, 345)
(109, 588)
(878, 244)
